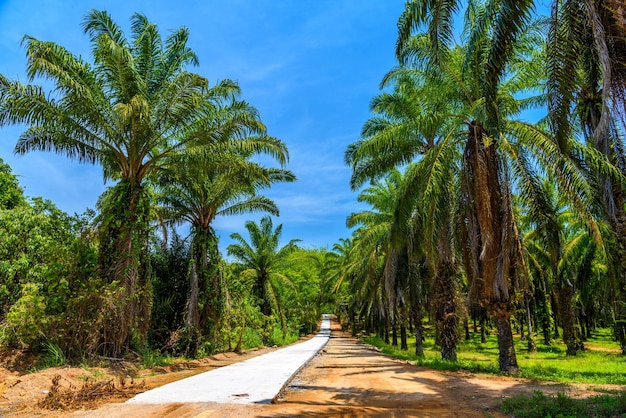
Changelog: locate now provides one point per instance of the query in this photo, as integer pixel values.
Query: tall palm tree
(374, 236)
(406, 129)
(587, 92)
(264, 262)
(558, 233)
(205, 187)
(131, 111)
(499, 152)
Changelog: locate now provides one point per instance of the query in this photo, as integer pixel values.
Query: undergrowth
(539, 405)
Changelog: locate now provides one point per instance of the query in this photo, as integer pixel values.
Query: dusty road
(350, 379)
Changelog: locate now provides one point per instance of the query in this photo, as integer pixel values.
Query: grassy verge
(602, 365)
(539, 405)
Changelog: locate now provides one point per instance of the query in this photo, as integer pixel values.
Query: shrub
(26, 321)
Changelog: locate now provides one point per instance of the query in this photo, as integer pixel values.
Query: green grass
(277, 337)
(539, 405)
(52, 356)
(152, 358)
(548, 363)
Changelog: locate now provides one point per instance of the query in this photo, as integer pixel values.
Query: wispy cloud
(310, 68)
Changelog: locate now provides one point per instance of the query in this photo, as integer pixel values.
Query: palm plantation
(586, 79)
(483, 147)
(489, 178)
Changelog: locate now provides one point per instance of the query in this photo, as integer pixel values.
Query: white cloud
(310, 68)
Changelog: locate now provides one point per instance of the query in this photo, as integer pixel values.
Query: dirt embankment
(347, 379)
(24, 394)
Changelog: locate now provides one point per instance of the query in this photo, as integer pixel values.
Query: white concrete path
(257, 380)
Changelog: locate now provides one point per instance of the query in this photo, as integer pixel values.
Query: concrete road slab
(257, 380)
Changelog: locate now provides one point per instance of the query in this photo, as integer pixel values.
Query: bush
(251, 339)
(277, 337)
(26, 321)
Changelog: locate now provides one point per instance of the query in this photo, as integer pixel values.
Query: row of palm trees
(177, 148)
(471, 204)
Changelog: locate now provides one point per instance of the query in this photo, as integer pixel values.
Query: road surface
(257, 380)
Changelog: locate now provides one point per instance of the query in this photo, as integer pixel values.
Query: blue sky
(309, 67)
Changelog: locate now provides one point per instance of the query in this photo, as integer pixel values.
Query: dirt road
(350, 379)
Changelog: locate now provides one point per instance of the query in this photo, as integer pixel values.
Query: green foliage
(311, 293)
(53, 355)
(37, 246)
(252, 338)
(278, 338)
(11, 194)
(170, 288)
(263, 262)
(26, 321)
(151, 358)
(47, 250)
(539, 405)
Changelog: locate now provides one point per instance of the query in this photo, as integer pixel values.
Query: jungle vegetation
(492, 172)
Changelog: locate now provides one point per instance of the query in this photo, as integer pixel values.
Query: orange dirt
(347, 379)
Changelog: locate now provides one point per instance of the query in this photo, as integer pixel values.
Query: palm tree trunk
(445, 301)
(192, 318)
(125, 263)
(353, 321)
(404, 319)
(419, 340)
(619, 228)
(565, 295)
(386, 331)
(490, 258)
(532, 347)
(507, 358)
(403, 342)
(483, 333)
(417, 313)
(446, 317)
(555, 319)
(545, 315)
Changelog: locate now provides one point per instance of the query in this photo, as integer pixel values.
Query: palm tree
(348, 266)
(203, 188)
(264, 262)
(133, 111)
(408, 128)
(499, 152)
(586, 87)
(374, 236)
(561, 241)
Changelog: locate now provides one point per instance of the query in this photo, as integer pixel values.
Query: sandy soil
(347, 379)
